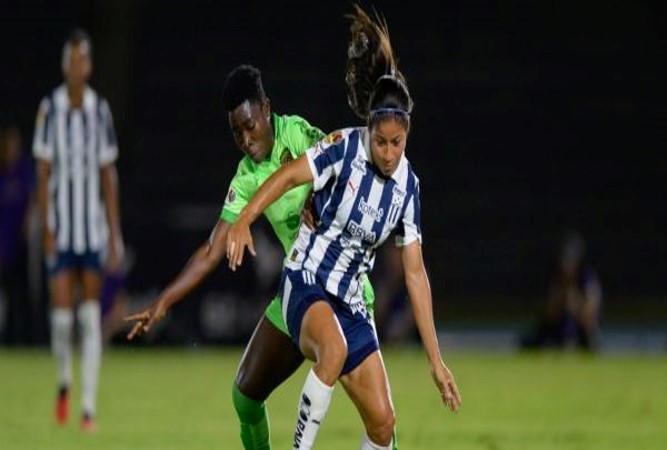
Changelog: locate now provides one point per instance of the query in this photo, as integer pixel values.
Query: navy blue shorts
(299, 290)
(64, 260)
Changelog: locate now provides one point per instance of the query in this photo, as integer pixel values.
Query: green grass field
(179, 399)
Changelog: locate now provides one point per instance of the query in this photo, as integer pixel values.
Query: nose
(246, 139)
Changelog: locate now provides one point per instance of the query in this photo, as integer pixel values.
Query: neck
(75, 94)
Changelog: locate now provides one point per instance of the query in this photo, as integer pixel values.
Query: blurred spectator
(17, 183)
(393, 314)
(572, 316)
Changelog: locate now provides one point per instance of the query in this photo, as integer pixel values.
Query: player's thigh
(91, 281)
(269, 359)
(368, 388)
(321, 333)
(61, 287)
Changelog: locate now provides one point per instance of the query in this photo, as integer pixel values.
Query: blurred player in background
(364, 188)
(17, 187)
(75, 146)
(572, 316)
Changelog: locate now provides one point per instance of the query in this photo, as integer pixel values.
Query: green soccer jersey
(293, 135)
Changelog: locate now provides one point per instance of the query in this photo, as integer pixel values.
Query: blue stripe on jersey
(327, 216)
(329, 156)
(417, 214)
(68, 122)
(87, 159)
(385, 199)
(321, 197)
(400, 228)
(47, 121)
(70, 206)
(357, 216)
(351, 152)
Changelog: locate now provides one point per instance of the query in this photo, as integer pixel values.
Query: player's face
(252, 130)
(388, 140)
(78, 67)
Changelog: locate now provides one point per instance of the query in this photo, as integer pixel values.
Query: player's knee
(247, 409)
(381, 429)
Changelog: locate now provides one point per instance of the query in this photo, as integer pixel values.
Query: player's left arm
(109, 179)
(108, 153)
(419, 291)
(290, 175)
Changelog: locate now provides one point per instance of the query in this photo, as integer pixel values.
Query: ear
(266, 108)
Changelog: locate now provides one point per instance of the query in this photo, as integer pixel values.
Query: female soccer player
(268, 140)
(76, 151)
(364, 189)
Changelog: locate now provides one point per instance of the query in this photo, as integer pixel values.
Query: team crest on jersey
(397, 199)
(286, 156)
(231, 196)
(333, 138)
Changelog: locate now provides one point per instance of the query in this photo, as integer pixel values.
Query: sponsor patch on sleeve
(231, 196)
(333, 138)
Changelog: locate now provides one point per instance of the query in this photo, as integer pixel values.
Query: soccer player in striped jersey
(364, 189)
(75, 146)
(268, 140)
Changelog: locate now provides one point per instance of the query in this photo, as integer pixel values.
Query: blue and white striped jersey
(356, 209)
(77, 142)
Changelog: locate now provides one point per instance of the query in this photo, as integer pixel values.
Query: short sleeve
(409, 227)
(302, 136)
(108, 145)
(326, 158)
(44, 138)
(241, 190)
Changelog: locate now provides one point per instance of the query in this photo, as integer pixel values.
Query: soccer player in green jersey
(268, 140)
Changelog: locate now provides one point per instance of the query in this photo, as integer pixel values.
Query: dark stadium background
(531, 118)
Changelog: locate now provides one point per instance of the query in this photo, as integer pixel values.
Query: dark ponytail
(370, 58)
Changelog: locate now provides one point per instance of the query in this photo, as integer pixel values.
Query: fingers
(450, 395)
(144, 315)
(231, 246)
(140, 326)
(236, 249)
(137, 329)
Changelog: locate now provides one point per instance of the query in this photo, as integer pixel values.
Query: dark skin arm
(287, 177)
(201, 264)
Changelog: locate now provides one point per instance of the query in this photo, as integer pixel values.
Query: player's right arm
(43, 150)
(201, 263)
(43, 174)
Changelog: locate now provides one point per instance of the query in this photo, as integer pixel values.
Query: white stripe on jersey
(356, 213)
(77, 143)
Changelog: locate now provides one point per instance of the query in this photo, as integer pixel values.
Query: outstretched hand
(145, 319)
(444, 380)
(238, 238)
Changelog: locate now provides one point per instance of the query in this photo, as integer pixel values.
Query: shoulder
(408, 175)
(294, 126)
(54, 98)
(246, 165)
(342, 135)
